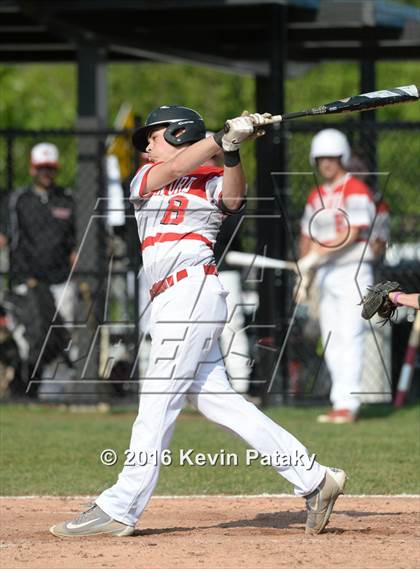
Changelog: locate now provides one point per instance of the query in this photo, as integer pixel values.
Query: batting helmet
(177, 118)
(330, 142)
(44, 154)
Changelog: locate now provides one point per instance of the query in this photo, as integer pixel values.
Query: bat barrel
(363, 102)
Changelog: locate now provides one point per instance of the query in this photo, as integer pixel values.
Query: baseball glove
(376, 301)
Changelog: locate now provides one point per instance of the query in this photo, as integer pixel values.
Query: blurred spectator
(377, 350)
(9, 358)
(335, 228)
(3, 218)
(234, 342)
(145, 307)
(41, 239)
(4, 259)
(380, 232)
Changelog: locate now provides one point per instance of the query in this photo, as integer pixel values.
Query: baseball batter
(334, 241)
(179, 206)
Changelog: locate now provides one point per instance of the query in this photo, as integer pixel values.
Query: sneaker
(320, 503)
(338, 416)
(92, 522)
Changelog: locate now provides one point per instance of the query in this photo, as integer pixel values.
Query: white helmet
(330, 142)
(45, 154)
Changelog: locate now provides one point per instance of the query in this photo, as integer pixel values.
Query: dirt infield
(212, 532)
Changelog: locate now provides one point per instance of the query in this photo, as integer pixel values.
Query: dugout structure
(267, 39)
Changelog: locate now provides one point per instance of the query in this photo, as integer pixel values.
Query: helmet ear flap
(183, 131)
(170, 134)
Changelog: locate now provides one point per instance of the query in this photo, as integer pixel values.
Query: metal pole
(92, 113)
(271, 235)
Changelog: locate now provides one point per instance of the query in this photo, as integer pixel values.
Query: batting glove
(239, 129)
(257, 120)
(246, 127)
(309, 262)
(302, 287)
(260, 120)
(307, 268)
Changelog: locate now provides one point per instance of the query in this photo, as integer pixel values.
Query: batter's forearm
(304, 245)
(187, 160)
(234, 186)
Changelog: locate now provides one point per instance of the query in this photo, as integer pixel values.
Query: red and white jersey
(381, 228)
(178, 224)
(334, 209)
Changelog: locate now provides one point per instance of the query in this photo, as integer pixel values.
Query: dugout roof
(233, 34)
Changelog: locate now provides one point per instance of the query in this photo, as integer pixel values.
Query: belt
(161, 286)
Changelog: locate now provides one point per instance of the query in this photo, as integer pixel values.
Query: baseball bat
(363, 102)
(407, 370)
(240, 259)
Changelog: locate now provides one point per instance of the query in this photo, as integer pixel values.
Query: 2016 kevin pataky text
(190, 457)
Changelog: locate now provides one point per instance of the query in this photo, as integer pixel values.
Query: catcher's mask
(187, 123)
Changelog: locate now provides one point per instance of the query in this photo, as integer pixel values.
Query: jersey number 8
(175, 212)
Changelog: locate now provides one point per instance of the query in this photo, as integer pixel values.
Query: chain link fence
(384, 156)
(102, 354)
(86, 251)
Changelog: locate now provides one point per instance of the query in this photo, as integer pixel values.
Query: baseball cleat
(92, 522)
(320, 503)
(338, 416)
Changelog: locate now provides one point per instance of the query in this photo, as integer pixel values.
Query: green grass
(54, 451)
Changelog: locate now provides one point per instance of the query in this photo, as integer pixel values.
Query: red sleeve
(143, 182)
(313, 195)
(353, 186)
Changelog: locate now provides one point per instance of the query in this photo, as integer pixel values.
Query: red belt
(161, 286)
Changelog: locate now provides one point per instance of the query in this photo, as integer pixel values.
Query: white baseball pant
(53, 387)
(65, 297)
(343, 329)
(234, 341)
(186, 322)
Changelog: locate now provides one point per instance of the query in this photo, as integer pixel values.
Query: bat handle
(274, 119)
(267, 120)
